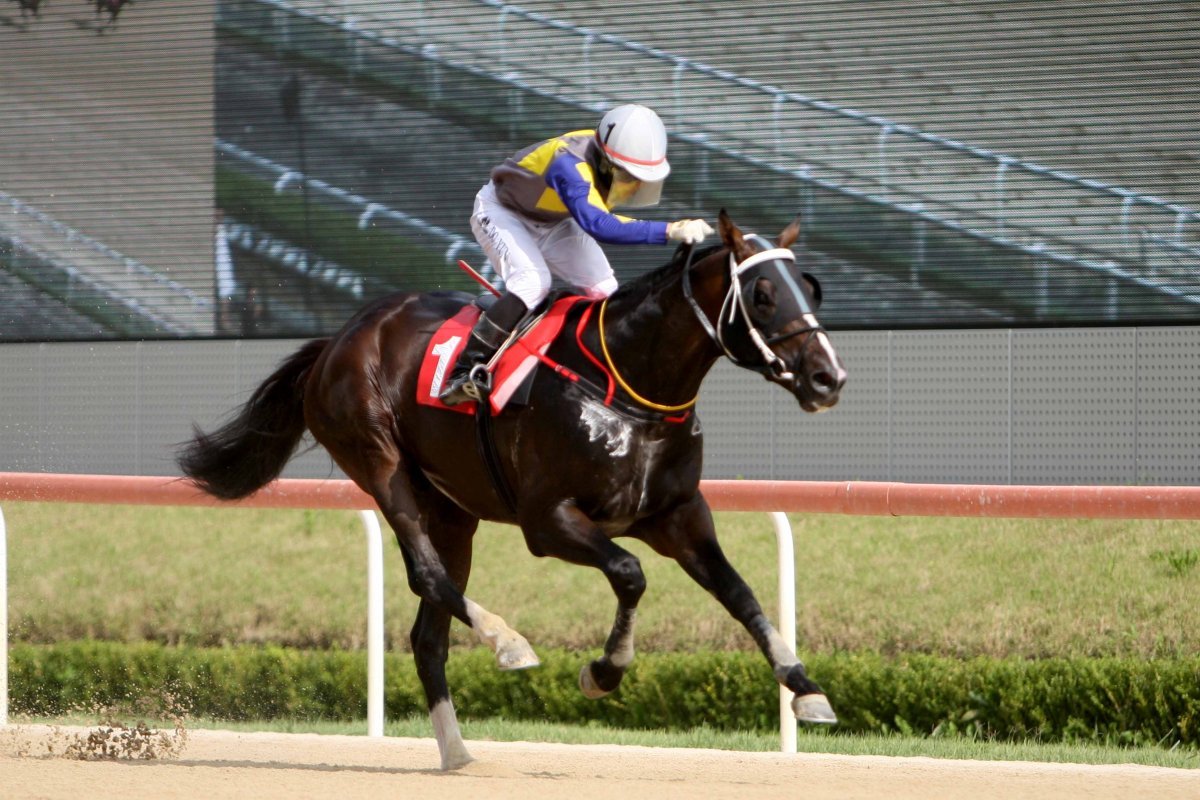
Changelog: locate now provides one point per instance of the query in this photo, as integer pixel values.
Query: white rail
(866, 498)
(3, 622)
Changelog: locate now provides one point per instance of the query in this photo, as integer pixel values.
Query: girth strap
(485, 440)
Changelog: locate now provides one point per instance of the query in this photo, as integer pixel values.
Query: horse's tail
(250, 450)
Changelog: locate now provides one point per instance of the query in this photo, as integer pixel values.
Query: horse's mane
(653, 280)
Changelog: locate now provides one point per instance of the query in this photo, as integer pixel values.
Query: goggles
(630, 192)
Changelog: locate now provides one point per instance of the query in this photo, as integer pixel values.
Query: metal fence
(367, 211)
(122, 294)
(956, 216)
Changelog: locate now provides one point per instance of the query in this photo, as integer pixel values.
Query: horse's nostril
(824, 382)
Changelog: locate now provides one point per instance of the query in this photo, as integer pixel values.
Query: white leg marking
(449, 738)
(809, 707)
(622, 654)
(782, 655)
(511, 649)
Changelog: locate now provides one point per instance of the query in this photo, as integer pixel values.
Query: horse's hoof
(813, 708)
(516, 654)
(587, 684)
(456, 758)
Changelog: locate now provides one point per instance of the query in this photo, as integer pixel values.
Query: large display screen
(262, 168)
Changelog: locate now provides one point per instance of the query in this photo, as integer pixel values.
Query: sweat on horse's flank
(273, 766)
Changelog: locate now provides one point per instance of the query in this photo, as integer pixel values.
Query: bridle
(777, 259)
(751, 269)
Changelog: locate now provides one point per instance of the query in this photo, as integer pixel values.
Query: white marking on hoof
(449, 737)
(515, 654)
(813, 708)
(587, 684)
(511, 648)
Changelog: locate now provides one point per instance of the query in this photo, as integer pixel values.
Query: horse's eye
(815, 286)
(763, 307)
(764, 293)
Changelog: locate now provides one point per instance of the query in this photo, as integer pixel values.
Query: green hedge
(1124, 701)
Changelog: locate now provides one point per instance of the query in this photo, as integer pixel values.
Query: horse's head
(768, 321)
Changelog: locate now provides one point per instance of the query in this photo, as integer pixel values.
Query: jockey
(546, 208)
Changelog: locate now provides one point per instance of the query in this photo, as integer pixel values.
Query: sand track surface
(222, 764)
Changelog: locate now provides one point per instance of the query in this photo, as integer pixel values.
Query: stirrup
(472, 386)
(479, 383)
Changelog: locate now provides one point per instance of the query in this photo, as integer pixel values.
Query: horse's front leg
(687, 535)
(566, 533)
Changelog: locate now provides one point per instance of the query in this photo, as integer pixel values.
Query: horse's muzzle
(820, 389)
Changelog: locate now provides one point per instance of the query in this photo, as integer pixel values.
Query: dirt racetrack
(221, 764)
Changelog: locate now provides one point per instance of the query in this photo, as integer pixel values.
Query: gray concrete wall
(1073, 406)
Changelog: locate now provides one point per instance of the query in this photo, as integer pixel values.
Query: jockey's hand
(688, 231)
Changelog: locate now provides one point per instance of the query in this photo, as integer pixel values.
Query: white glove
(688, 231)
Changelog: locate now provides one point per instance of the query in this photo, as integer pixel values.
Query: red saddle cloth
(515, 365)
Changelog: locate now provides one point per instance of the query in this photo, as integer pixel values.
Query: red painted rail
(819, 497)
(956, 500)
(301, 493)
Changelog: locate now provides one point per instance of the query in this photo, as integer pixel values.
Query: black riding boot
(491, 331)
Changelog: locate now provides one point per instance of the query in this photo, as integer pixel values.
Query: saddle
(511, 369)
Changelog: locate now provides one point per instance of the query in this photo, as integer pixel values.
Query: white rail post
(787, 623)
(375, 650)
(3, 623)
(374, 622)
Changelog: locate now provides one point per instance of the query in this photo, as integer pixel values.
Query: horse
(111, 7)
(28, 6)
(604, 447)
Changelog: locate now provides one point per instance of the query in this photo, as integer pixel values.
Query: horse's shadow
(16, 22)
(270, 765)
(96, 26)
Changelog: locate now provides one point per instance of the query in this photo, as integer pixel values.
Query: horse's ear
(732, 236)
(790, 234)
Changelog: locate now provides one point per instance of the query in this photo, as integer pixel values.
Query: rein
(772, 365)
(612, 367)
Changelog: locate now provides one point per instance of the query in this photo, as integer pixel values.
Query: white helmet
(633, 138)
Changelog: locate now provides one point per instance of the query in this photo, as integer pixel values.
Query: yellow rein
(628, 389)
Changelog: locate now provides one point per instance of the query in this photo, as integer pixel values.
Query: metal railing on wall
(1105, 240)
(881, 157)
(121, 293)
(368, 212)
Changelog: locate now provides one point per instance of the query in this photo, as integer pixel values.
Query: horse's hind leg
(430, 643)
(566, 533)
(688, 536)
(431, 636)
(435, 541)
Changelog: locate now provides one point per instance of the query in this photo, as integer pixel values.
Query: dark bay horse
(110, 7)
(28, 6)
(584, 465)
